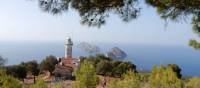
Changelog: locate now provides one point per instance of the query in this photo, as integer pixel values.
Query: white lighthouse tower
(68, 48)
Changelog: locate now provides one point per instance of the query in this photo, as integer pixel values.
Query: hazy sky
(23, 21)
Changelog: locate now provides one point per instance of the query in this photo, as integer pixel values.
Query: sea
(143, 56)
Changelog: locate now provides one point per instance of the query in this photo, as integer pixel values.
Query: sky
(24, 21)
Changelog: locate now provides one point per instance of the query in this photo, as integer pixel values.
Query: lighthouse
(68, 48)
(67, 64)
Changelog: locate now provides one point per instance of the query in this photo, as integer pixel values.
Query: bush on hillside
(193, 83)
(104, 68)
(39, 84)
(164, 77)
(86, 76)
(176, 69)
(48, 63)
(7, 81)
(18, 71)
(129, 80)
(109, 67)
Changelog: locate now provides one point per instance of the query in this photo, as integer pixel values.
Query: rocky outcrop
(88, 47)
(116, 53)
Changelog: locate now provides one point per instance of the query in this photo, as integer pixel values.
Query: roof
(66, 67)
(62, 71)
(70, 62)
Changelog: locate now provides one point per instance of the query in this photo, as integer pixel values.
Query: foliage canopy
(48, 63)
(108, 67)
(164, 77)
(86, 76)
(129, 80)
(93, 12)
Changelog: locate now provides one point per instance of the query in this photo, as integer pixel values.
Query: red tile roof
(70, 62)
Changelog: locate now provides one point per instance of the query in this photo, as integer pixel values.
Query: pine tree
(7, 81)
(129, 80)
(86, 76)
(164, 77)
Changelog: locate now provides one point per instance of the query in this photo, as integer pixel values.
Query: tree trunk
(34, 78)
(23, 80)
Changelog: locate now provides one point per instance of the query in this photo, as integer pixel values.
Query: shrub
(9, 82)
(104, 68)
(120, 68)
(48, 63)
(39, 84)
(193, 83)
(129, 80)
(164, 77)
(2, 72)
(86, 76)
(176, 69)
(19, 71)
(57, 85)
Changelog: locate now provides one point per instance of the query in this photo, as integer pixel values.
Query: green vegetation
(39, 84)
(178, 10)
(93, 12)
(175, 68)
(194, 44)
(48, 63)
(21, 70)
(164, 77)
(33, 68)
(18, 71)
(86, 76)
(104, 68)
(194, 83)
(160, 77)
(96, 12)
(57, 85)
(122, 74)
(109, 67)
(7, 81)
(129, 80)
